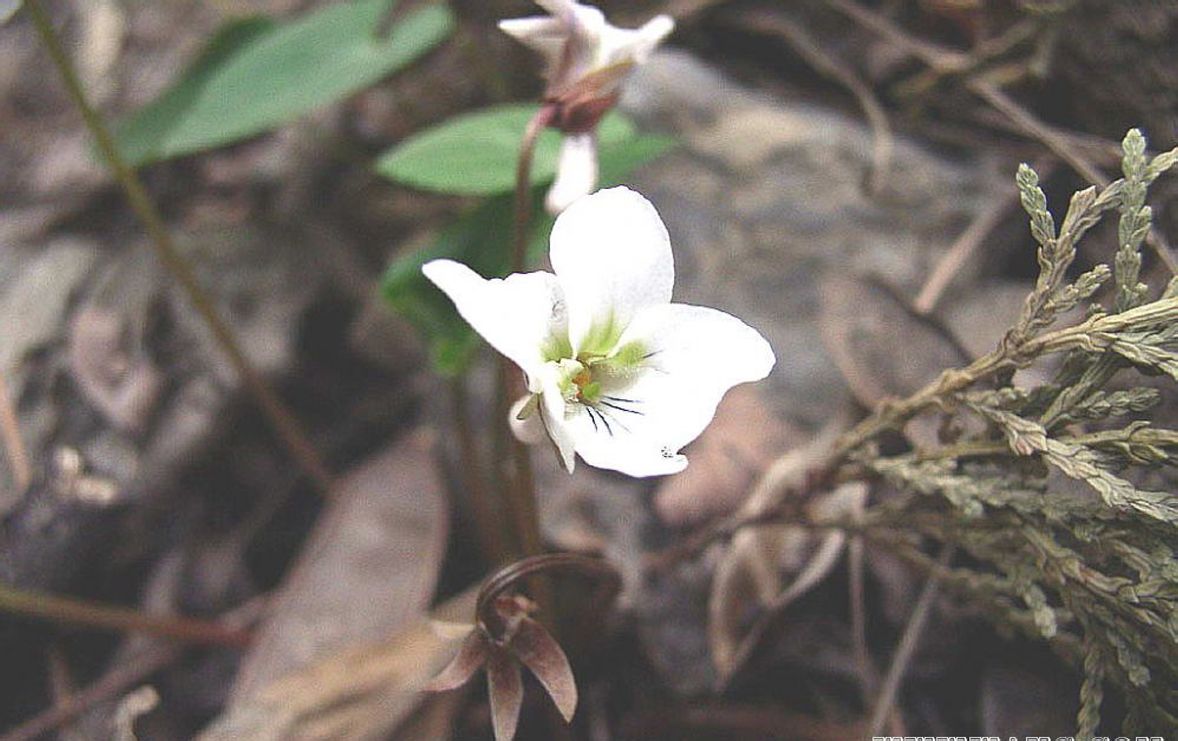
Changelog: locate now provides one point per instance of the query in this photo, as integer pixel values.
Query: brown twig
(62, 687)
(280, 418)
(520, 492)
(883, 142)
(945, 61)
(112, 684)
(10, 428)
(109, 617)
(984, 52)
(868, 674)
(1058, 143)
(488, 524)
(695, 542)
(120, 679)
(906, 648)
(1061, 146)
(961, 250)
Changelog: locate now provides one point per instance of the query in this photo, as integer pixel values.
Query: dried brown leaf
(539, 651)
(359, 693)
(506, 688)
(368, 569)
(125, 386)
(774, 565)
(749, 575)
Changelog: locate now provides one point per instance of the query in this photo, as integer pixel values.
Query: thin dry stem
(906, 648)
(868, 676)
(946, 62)
(960, 252)
(110, 686)
(492, 535)
(883, 142)
(118, 680)
(110, 617)
(939, 58)
(279, 416)
(10, 428)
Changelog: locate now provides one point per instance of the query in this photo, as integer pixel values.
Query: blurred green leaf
(255, 75)
(482, 239)
(617, 160)
(475, 154)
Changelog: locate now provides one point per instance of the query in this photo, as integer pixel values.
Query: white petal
(612, 256)
(693, 356)
(622, 441)
(545, 35)
(519, 315)
(624, 45)
(652, 33)
(576, 171)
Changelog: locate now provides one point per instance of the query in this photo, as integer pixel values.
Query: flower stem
(108, 617)
(506, 578)
(10, 430)
(523, 185)
(487, 521)
(284, 423)
(521, 490)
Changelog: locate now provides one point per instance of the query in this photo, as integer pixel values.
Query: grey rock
(762, 199)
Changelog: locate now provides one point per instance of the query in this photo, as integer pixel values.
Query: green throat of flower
(582, 379)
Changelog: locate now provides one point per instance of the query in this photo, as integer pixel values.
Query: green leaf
(617, 160)
(481, 239)
(475, 154)
(255, 75)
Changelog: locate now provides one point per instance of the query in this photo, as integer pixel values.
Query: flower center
(588, 390)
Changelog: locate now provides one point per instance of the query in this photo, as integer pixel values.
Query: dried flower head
(586, 60)
(514, 641)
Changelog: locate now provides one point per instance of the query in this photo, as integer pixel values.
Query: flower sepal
(505, 638)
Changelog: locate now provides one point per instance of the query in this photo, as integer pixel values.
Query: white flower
(586, 60)
(617, 373)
